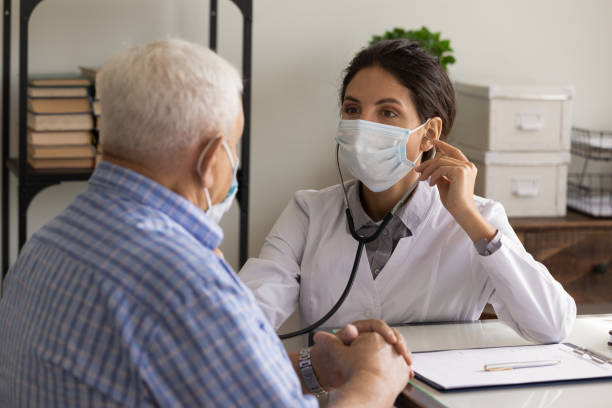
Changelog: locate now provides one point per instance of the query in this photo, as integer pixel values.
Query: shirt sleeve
(274, 276)
(486, 247)
(215, 348)
(525, 294)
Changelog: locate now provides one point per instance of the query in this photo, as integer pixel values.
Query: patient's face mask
(216, 211)
(375, 153)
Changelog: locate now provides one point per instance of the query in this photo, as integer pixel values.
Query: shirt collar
(411, 213)
(116, 179)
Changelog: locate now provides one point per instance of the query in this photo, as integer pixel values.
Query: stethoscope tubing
(362, 241)
(339, 303)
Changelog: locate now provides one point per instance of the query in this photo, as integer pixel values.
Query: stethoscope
(362, 241)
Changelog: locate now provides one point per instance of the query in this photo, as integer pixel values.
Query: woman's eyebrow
(380, 102)
(388, 100)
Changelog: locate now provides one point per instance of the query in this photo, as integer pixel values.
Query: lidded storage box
(513, 118)
(519, 138)
(533, 184)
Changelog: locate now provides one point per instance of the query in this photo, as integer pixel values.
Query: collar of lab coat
(411, 213)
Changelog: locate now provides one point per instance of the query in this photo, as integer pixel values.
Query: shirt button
(376, 271)
(385, 232)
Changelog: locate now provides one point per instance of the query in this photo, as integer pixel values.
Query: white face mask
(375, 153)
(216, 211)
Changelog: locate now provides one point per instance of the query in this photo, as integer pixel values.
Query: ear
(433, 130)
(208, 163)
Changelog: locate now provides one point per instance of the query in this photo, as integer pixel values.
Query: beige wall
(300, 48)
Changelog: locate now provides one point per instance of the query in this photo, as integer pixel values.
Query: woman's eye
(389, 114)
(351, 110)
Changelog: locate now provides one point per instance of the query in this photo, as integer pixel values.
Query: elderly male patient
(122, 299)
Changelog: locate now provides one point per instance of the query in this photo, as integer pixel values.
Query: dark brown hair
(431, 89)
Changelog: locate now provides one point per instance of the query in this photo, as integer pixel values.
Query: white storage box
(513, 118)
(527, 184)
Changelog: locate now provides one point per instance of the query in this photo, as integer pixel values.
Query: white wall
(300, 48)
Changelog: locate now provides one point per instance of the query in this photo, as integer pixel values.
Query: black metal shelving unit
(31, 181)
(246, 8)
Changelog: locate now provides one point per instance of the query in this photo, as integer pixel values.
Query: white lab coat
(434, 275)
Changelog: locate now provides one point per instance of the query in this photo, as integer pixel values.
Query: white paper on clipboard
(461, 369)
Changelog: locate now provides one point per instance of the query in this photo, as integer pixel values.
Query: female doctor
(443, 255)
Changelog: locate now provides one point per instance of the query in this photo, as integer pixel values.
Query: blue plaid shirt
(120, 301)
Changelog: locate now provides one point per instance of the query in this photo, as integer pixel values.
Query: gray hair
(159, 99)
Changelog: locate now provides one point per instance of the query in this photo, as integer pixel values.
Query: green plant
(430, 42)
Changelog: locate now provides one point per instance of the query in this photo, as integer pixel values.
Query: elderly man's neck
(168, 175)
(132, 165)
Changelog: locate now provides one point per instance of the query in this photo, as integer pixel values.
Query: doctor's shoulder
(328, 201)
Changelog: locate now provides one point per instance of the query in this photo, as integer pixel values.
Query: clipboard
(455, 370)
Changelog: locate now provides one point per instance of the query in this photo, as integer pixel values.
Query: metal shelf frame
(31, 181)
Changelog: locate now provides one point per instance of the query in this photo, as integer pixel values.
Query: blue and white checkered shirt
(120, 301)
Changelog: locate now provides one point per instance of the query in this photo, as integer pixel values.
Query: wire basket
(592, 144)
(590, 193)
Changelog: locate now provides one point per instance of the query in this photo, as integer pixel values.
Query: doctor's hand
(453, 174)
(373, 372)
(455, 177)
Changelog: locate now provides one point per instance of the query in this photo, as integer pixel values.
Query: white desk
(589, 331)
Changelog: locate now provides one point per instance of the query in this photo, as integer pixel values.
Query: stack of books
(60, 123)
(92, 73)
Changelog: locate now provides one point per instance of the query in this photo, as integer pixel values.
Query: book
(61, 152)
(57, 92)
(59, 105)
(59, 81)
(90, 72)
(97, 107)
(61, 163)
(72, 121)
(71, 137)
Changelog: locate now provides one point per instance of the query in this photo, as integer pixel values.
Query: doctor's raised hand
(454, 176)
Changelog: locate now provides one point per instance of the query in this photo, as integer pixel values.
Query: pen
(519, 364)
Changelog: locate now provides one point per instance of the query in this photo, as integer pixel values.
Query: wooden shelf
(49, 175)
(576, 249)
(571, 220)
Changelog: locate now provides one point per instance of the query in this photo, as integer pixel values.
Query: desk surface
(589, 331)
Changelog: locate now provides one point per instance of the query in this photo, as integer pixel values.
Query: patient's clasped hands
(366, 353)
